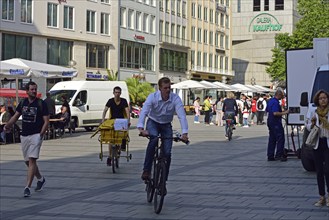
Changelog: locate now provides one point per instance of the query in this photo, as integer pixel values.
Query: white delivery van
(87, 99)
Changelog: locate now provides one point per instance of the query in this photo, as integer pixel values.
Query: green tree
(314, 23)
(138, 91)
(113, 76)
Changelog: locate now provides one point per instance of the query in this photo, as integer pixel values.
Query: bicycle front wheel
(160, 187)
(149, 190)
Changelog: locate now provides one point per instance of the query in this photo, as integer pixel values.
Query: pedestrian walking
(197, 109)
(320, 117)
(261, 107)
(35, 120)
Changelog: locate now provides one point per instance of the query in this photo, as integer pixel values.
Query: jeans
(196, 117)
(154, 130)
(275, 140)
(321, 160)
(245, 121)
(229, 115)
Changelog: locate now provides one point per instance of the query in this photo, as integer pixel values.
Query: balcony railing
(213, 70)
(221, 7)
(174, 40)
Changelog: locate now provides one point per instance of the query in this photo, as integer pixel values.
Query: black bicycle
(229, 120)
(156, 185)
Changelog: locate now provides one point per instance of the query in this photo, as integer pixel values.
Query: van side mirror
(304, 99)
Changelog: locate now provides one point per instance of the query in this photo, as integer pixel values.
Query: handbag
(313, 137)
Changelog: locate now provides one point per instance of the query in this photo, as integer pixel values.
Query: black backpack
(260, 104)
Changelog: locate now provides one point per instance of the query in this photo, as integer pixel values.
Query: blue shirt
(162, 111)
(273, 105)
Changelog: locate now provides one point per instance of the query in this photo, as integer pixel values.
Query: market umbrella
(188, 84)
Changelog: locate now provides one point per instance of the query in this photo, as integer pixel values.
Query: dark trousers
(321, 160)
(275, 140)
(207, 117)
(260, 117)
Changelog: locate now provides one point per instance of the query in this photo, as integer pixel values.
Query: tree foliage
(138, 91)
(112, 76)
(314, 23)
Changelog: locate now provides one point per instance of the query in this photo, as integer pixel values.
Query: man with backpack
(261, 106)
(35, 120)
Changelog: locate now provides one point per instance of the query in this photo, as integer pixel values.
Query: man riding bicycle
(230, 109)
(160, 107)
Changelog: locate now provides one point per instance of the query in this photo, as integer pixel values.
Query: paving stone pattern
(211, 178)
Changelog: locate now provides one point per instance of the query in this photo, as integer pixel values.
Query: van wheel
(89, 128)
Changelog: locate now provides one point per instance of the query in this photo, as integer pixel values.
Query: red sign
(138, 37)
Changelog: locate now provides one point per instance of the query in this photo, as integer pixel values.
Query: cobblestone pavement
(211, 178)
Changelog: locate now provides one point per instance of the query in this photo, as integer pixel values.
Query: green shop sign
(264, 23)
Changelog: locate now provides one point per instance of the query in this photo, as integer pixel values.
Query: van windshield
(57, 95)
(321, 82)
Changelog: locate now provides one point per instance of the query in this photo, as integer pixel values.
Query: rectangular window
(167, 29)
(91, 21)
(145, 22)
(199, 35)
(222, 20)
(226, 63)
(211, 38)
(52, 15)
(199, 59)
(193, 33)
(239, 6)
(123, 17)
(8, 10)
(211, 16)
(16, 46)
(216, 18)
(199, 12)
(68, 17)
(216, 39)
(216, 61)
(205, 36)
(172, 6)
(184, 9)
(227, 42)
(172, 30)
(266, 5)
(97, 56)
(221, 62)
(193, 10)
(210, 60)
(26, 11)
(131, 19)
(138, 20)
(256, 5)
(160, 28)
(105, 1)
(105, 23)
(227, 22)
(279, 5)
(167, 6)
(227, 3)
(192, 57)
(178, 31)
(173, 60)
(205, 62)
(184, 33)
(59, 52)
(152, 25)
(161, 5)
(205, 14)
(178, 8)
(221, 41)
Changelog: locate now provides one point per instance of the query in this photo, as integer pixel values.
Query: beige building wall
(253, 38)
(215, 20)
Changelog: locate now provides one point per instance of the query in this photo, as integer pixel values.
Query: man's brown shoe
(145, 175)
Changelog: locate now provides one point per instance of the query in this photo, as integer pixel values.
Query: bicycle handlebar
(176, 139)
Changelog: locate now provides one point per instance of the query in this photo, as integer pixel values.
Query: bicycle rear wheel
(160, 186)
(114, 159)
(229, 133)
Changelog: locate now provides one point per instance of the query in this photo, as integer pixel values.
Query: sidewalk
(211, 178)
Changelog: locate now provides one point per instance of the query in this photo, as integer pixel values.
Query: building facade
(254, 27)
(210, 40)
